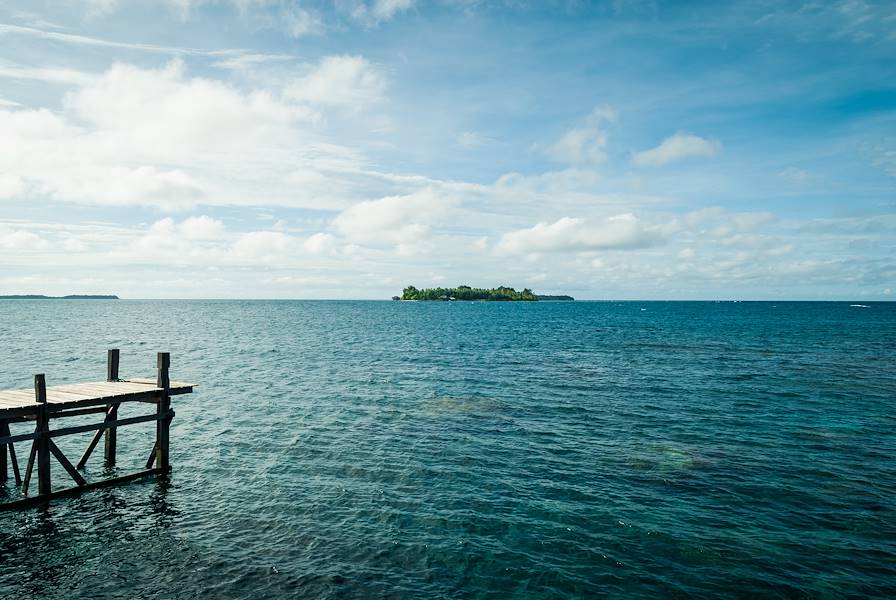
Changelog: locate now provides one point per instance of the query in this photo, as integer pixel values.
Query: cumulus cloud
(394, 220)
(675, 148)
(350, 82)
(202, 228)
(264, 246)
(21, 240)
(585, 143)
(320, 243)
(158, 137)
(567, 234)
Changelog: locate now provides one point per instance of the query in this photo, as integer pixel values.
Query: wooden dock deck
(43, 404)
(61, 398)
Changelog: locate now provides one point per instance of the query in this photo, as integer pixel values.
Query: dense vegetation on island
(465, 292)
(70, 297)
(560, 298)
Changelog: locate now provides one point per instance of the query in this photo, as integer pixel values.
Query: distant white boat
(859, 306)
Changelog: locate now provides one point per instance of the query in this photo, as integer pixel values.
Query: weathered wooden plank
(100, 401)
(90, 427)
(176, 387)
(17, 412)
(116, 423)
(26, 502)
(17, 395)
(78, 412)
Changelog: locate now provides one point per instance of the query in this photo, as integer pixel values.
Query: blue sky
(289, 149)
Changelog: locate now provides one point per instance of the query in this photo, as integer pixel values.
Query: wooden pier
(44, 405)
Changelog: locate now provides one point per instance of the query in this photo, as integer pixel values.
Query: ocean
(352, 449)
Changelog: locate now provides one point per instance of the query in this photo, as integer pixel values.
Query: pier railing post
(43, 441)
(112, 414)
(3, 469)
(164, 406)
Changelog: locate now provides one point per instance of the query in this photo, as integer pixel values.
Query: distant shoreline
(69, 297)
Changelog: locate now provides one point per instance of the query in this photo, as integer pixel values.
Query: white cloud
(585, 143)
(11, 185)
(202, 228)
(577, 234)
(249, 61)
(83, 40)
(394, 220)
(675, 148)
(49, 74)
(320, 243)
(349, 82)
(264, 246)
(375, 11)
(157, 137)
(300, 22)
(21, 240)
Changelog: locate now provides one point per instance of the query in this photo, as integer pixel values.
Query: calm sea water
(475, 450)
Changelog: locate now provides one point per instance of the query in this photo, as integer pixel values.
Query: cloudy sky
(345, 149)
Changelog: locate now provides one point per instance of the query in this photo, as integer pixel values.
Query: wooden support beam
(152, 455)
(12, 456)
(4, 469)
(26, 502)
(112, 432)
(79, 411)
(43, 441)
(13, 460)
(66, 464)
(91, 427)
(30, 468)
(94, 441)
(163, 364)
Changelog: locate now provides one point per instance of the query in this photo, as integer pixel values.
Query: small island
(465, 292)
(70, 297)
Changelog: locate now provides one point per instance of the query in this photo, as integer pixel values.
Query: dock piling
(43, 440)
(163, 425)
(112, 413)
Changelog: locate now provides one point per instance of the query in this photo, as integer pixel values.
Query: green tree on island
(465, 292)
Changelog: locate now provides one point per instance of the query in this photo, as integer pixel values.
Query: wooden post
(164, 405)
(112, 414)
(3, 470)
(4, 464)
(43, 442)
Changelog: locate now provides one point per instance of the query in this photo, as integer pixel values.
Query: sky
(349, 148)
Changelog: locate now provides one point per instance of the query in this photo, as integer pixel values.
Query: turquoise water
(475, 450)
